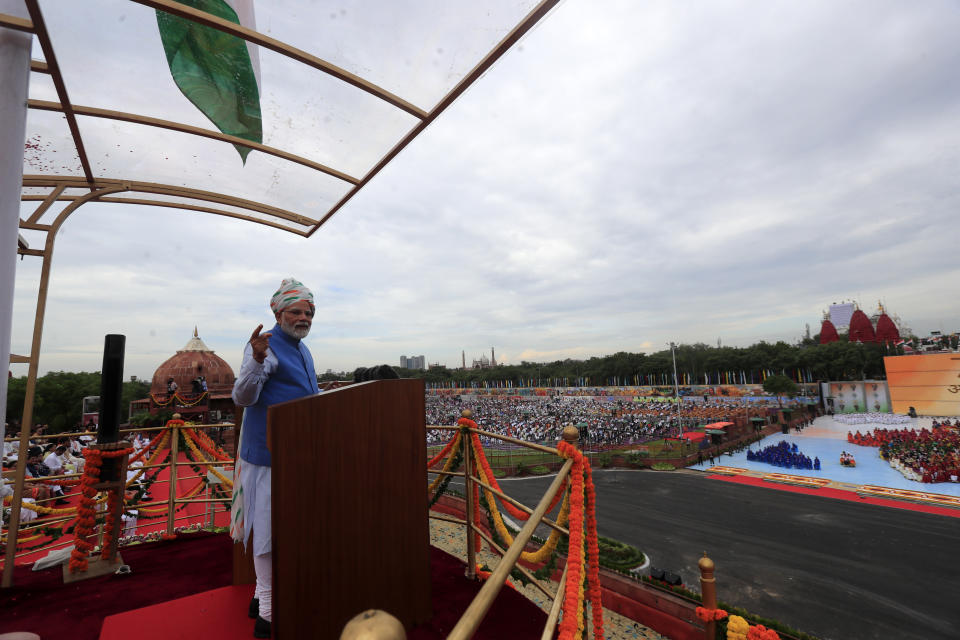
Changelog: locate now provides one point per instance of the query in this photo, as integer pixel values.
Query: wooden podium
(350, 528)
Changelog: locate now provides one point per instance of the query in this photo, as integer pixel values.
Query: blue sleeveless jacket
(294, 378)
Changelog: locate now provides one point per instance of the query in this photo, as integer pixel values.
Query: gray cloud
(632, 173)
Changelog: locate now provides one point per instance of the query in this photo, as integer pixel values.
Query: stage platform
(181, 589)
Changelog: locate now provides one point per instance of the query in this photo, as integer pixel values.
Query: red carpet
(180, 589)
(211, 615)
(41, 603)
(839, 494)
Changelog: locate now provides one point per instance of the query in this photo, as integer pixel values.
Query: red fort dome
(204, 382)
(195, 360)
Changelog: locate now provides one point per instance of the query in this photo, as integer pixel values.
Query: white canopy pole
(14, 78)
(14, 81)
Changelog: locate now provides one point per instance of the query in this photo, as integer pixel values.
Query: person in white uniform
(55, 464)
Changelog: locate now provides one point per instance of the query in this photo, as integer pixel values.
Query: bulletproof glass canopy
(269, 111)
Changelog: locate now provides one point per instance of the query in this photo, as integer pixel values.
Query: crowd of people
(601, 421)
(923, 455)
(872, 418)
(784, 454)
(44, 457)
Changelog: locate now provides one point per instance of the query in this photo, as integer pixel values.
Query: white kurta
(56, 468)
(253, 478)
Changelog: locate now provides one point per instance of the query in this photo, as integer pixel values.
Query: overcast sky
(632, 173)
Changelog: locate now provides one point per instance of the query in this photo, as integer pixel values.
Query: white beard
(291, 329)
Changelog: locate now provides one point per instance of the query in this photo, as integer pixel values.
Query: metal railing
(171, 501)
(480, 605)
(473, 616)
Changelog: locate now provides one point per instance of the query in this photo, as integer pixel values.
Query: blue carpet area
(826, 439)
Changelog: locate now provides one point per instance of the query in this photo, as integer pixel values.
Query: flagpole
(676, 391)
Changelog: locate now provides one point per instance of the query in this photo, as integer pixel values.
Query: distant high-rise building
(413, 362)
(840, 315)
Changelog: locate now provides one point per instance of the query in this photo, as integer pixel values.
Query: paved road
(839, 570)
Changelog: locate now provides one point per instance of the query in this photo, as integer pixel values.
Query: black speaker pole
(111, 388)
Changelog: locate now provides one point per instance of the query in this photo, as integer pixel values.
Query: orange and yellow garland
(544, 552)
(86, 516)
(183, 402)
(583, 546)
(192, 444)
(579, 509)
(739, 629)
(446, 467)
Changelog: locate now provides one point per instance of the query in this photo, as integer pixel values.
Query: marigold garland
(580, 546)
(593, 548)
(544, 552)
(196, 489)
(477, 540)
(207, 444)
(492, 480)
(446, 468)
(435, 460)
(42, 510)
(84, 524)
(153, 456)
(737, 628)
(710, 615)
(573, 596)
(183, 402)
(160, 438)
(483, 572)
(201, 460)
(86, 515)
(760, 632)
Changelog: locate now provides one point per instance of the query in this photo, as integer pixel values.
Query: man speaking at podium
(277, 367)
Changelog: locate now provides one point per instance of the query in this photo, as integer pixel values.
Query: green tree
(780, 386)
(59, 395)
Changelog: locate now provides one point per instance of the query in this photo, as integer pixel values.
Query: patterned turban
(290, 292)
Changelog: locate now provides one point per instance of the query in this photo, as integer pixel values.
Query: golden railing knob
(466, 413)
(571, 434)
(373, 624)
(705, 563)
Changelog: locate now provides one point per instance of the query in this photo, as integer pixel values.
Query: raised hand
(259, 342)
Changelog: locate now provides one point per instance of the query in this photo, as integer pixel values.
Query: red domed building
(828, 332)
(861, 330)
(887, 331)
(192, 368)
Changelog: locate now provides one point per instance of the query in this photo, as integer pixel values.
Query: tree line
(58, 398)
(807, 361)
(59, 394)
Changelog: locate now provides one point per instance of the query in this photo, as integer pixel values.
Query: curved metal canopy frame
(64, 106)
(51, 189)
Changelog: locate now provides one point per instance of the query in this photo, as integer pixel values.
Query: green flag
(216, 70)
